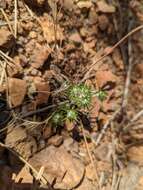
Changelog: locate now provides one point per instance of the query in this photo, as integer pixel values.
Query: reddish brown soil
(45, 44)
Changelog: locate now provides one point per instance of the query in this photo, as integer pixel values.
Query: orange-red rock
(42, 89)
(105, 78)
(17, 91)
(39, 57)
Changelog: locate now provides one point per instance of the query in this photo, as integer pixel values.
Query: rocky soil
(46, 44)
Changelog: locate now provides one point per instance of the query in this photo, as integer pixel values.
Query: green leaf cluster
(78, 97)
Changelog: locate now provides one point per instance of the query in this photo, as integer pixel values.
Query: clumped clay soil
(46, 45)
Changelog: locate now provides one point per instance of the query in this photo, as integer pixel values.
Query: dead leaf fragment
(104, 7)
(17, 91)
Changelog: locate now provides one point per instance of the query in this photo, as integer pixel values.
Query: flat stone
(42, 89)
(105, 78)
(60, 167)
(17, 91)
(40, 55)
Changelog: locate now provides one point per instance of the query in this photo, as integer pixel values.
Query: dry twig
(103, 131)
(135, 118)
(2, 76)
(9, 60)
(90, 156)
(129, 71)
(7, 20)
(40, 173)
(15, 18)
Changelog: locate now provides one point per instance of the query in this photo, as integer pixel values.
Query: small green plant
(101, 95)
(78, 96)
(72, 115)
(58, 118)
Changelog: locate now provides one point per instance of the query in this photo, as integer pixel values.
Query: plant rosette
(58, 118)
(80, 95)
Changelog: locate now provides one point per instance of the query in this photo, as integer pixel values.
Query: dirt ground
(47, 44)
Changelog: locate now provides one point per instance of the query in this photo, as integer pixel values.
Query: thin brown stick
(15, 18)
(7, 20)
(2, 23)
(135, 118)
(40, 173)
(129, 70)
(105, 128)
(90, 156)
(29, 11)
(127, 84)
(6, 57)
(3, 65)
(110, 50)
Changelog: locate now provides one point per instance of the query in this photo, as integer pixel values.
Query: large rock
(60, 167)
